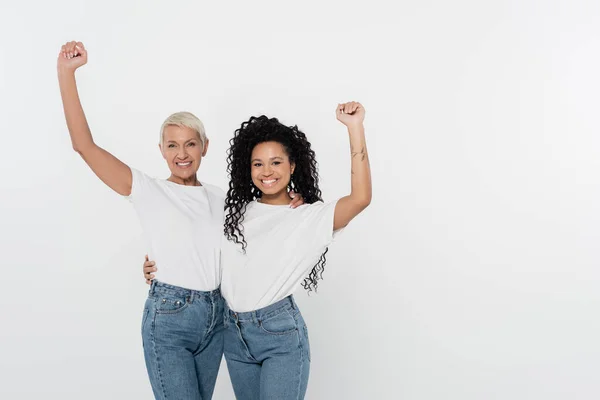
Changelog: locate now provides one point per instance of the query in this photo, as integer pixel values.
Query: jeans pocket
(170, 304)
(279, 324)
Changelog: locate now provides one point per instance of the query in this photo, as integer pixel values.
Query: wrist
(356, 128)
(65, 72)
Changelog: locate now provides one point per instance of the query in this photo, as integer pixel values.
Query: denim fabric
(267, 352)
(182, 332)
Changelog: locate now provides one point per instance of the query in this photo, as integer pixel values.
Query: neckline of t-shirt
(202, 185)
(269, 205)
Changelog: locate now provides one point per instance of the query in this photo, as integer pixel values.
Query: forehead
(179, 133)
(268, 150)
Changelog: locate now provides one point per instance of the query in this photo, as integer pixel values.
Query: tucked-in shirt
(183, 227)
(283, 245)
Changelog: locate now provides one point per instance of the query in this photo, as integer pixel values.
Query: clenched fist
(351, 114)
(72, 56)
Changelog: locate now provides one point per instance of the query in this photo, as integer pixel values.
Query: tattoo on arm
(362, 153)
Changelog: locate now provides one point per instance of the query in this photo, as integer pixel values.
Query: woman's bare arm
(352, 115)
(107, 167)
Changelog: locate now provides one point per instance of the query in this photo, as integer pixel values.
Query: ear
(205, 148)
(293, 167)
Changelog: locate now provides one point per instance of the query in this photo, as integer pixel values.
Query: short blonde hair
(185, 119)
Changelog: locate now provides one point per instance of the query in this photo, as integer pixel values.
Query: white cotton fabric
(283, 245)
(183, 227)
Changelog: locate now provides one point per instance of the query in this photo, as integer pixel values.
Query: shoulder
(214, 190)
(316, 207)
(317, 212)
(142, 177)
(140, 184)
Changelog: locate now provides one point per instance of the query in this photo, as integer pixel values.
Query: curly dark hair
(304, 180)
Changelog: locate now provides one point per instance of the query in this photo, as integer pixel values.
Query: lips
(269, 182)
(186, 164)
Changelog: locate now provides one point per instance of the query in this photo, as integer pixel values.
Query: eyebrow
(272, 158)
(189, 140)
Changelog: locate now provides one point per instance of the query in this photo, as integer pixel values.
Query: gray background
(473, 274)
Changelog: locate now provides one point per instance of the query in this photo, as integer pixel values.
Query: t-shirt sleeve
(139, 185)
(319, 219)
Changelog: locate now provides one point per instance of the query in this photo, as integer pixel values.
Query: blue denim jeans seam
(155, 352)
(301, 364)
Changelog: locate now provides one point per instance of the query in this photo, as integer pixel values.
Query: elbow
(365, 201)
(80, 148)
(360, 201)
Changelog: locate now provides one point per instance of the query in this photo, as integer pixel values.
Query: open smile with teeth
(186, 164)
(269, 182)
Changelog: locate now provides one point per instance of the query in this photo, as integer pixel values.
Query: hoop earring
(255, 191)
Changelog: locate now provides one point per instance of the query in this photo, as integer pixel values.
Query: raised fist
(350, 114)
(72, 56)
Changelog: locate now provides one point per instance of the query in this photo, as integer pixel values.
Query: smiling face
(271, 172)
(182, 149)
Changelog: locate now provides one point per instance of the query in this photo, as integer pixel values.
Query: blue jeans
(182, 332)
(267, 352)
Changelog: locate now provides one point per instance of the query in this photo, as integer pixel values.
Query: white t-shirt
(183, 227)
(284, 244)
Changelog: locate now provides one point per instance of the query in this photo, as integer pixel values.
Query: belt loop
(226, 315)
(152, 286)
(254, 317)
(294, 305)
(191, 296)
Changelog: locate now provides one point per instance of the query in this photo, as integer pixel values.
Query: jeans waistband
(262, 313)
(160, 287)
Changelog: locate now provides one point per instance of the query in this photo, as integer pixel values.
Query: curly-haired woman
(271, 248)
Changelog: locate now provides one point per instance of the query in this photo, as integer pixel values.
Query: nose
(182, 153)
(267, 171)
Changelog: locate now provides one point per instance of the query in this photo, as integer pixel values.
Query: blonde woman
(182, 219)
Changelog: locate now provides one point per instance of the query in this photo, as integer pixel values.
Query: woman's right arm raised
(107, 167)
